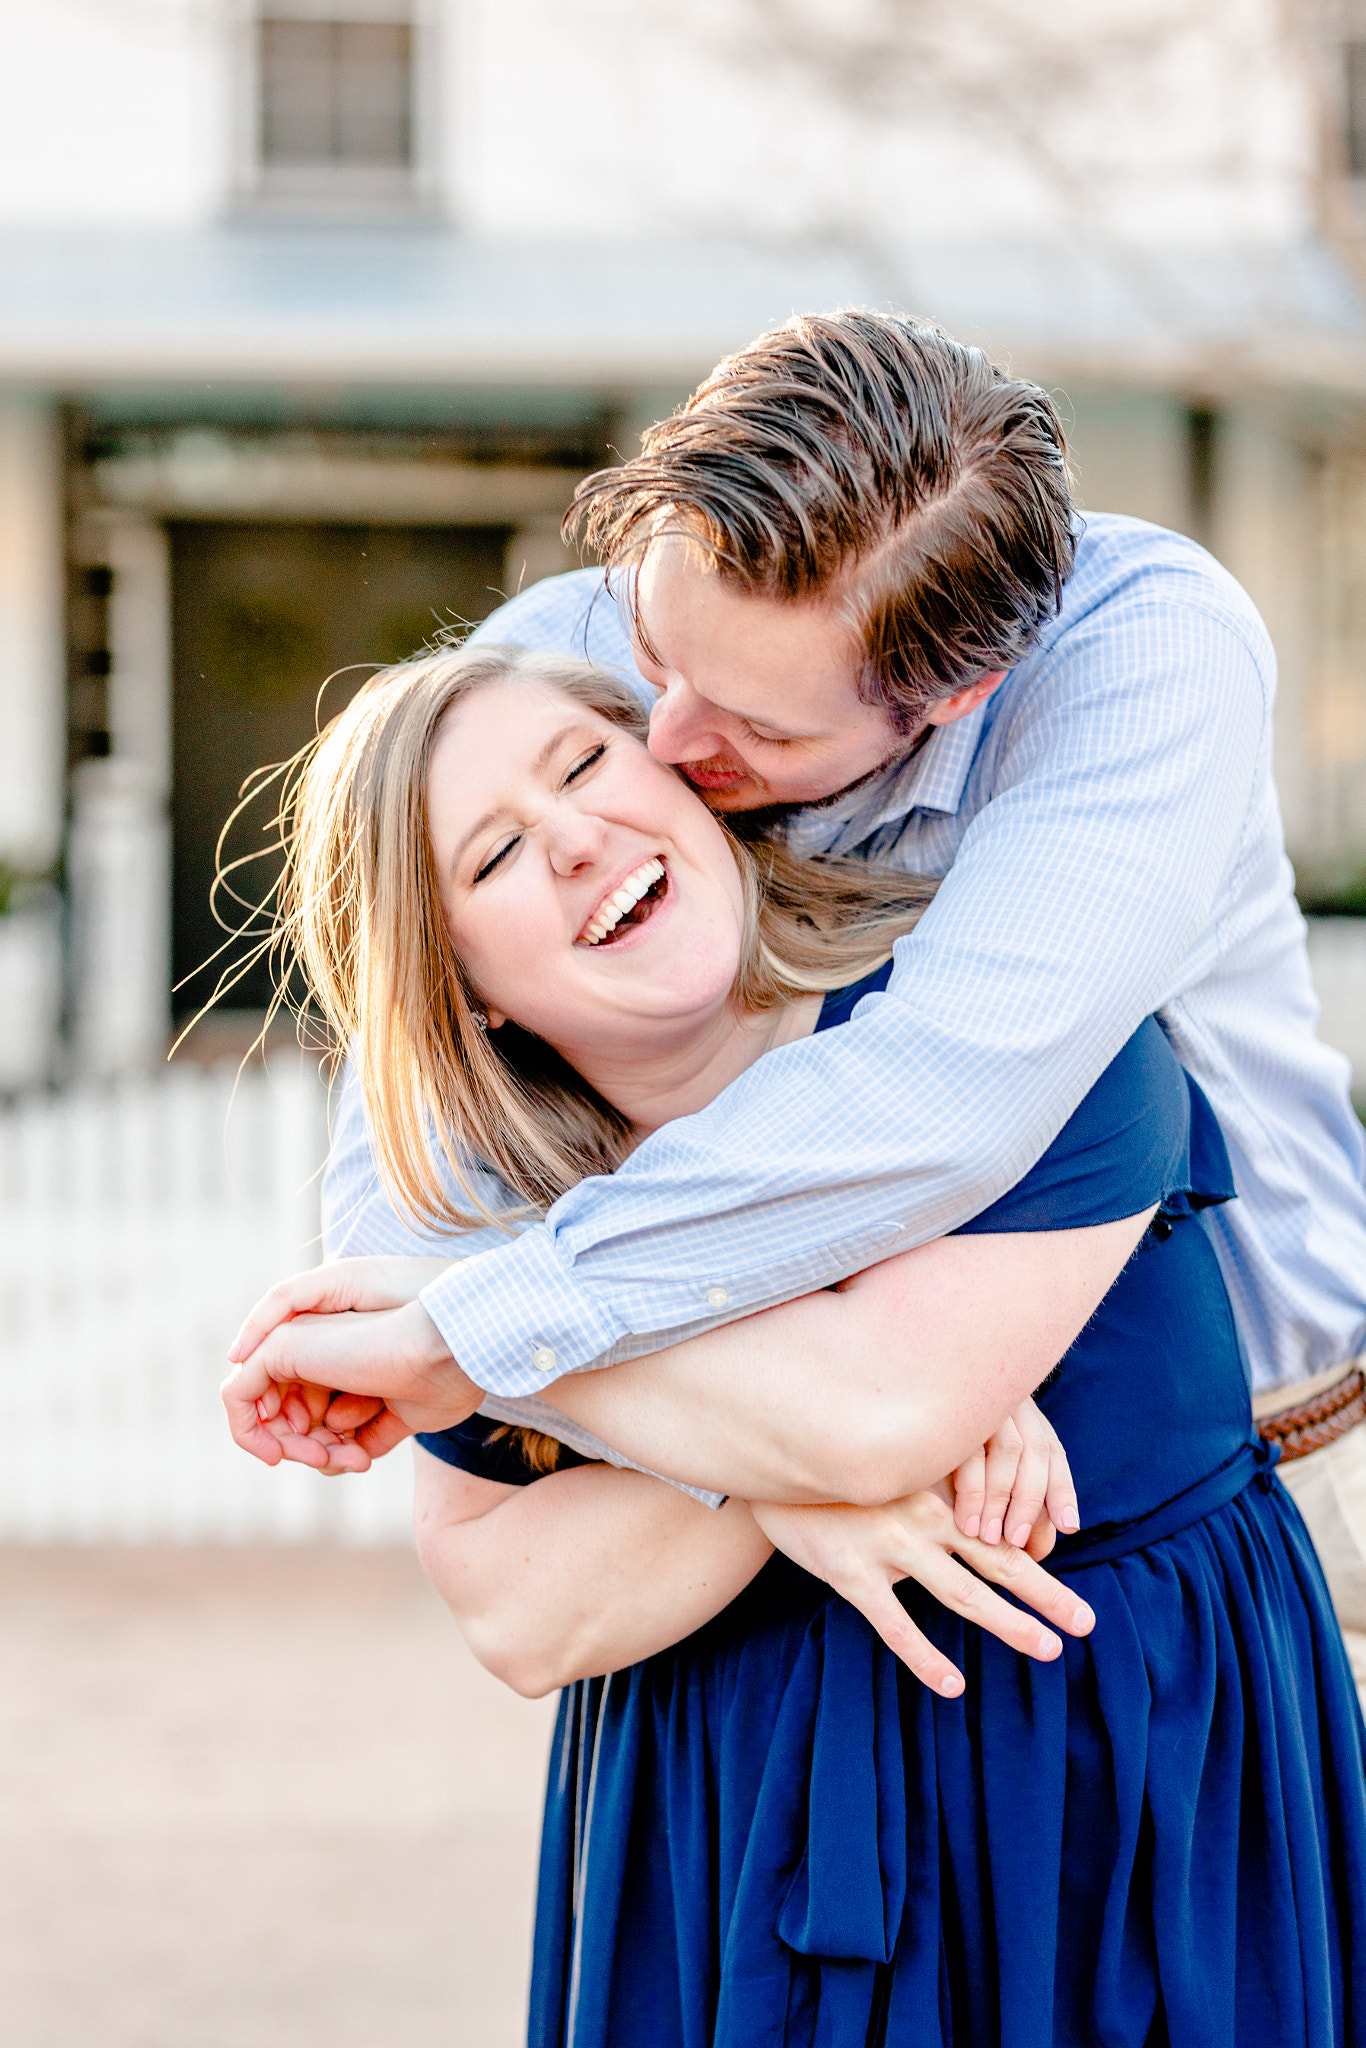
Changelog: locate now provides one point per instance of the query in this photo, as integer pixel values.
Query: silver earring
(481, 1022)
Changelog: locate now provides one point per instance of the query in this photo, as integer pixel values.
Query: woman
(766, 1832)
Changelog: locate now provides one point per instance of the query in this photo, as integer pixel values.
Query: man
(850, 574)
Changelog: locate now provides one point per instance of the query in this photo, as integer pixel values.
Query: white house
(312, 312)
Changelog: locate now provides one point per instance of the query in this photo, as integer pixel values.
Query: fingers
(1031, 1475)
(324, 1449)
(1001, 1494)
(285, 1423)
(1014, 1626)
(349, 1412)
(1003, 1459)
(879, 1605)
(301, 1293)
(304, 1450)
(379, 1437)
(303, 1406)
(970, 1492)
(325, 1453)
(1061, 1495)
(241, 1392)
(1050, 1598)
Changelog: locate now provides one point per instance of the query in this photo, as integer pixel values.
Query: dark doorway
(262, 614)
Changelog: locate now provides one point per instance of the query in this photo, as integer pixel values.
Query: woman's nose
(574, 842)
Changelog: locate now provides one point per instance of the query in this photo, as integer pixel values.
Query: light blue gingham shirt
(1108, 831)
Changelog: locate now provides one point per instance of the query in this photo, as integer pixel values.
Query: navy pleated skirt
(772, 1834)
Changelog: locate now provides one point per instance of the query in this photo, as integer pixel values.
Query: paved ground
(256, 1799)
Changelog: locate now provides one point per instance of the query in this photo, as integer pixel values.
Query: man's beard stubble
(757, 821)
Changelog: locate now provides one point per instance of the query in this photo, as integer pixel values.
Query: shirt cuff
(514, 1319)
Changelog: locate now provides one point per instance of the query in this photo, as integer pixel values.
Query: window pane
(1356, 109)
(296, 92)
(373, 120)
(336, 92)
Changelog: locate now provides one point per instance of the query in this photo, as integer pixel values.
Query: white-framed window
(336, 113)
(1354, 106)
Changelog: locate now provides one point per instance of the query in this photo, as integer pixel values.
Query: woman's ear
(496, 1019)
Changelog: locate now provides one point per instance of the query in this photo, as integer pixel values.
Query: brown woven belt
(1313, 1424)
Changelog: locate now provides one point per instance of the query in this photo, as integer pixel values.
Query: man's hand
(863, 1552)
(339, 1284)
(1018, 1486)
(350, 1328)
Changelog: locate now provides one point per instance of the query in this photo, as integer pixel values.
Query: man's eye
(490, 865)
(765, 739)
(581, 767)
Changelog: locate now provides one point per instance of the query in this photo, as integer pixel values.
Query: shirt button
(717, 1297)
(543, 1358)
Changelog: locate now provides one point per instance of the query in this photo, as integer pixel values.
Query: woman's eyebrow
(538, 767)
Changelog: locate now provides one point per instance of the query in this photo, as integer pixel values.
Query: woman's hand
(296, 1415)
(1018, 1486)
(864, 1552)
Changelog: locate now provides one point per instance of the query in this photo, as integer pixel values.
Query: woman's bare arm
(581, 1572)
(589, 1570)
(864, 1393)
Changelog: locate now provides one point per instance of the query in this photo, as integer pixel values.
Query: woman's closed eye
(502, 853)
(589, 760)
(580, 767)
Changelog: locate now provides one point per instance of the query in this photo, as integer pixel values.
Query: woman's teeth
(608, 915)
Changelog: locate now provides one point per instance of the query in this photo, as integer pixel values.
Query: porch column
(32, 733)
(119, 861)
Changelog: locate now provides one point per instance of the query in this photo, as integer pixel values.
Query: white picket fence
(138, 1223)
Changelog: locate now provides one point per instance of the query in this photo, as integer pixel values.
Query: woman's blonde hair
(360, 914)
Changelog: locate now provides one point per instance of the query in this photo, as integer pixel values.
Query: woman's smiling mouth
(630, 902)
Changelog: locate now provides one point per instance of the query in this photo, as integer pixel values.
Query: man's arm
(870, 1391)
(1080, 901)
(361, 1221)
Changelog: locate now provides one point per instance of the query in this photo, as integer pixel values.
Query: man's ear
(948, 710)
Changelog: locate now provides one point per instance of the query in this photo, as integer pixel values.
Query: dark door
(262, 616)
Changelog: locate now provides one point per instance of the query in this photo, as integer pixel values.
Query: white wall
(114, 110)
(1161, 120)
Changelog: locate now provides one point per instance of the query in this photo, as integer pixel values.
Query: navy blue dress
(771, 1836)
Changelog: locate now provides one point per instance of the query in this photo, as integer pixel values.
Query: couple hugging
(832, 1071)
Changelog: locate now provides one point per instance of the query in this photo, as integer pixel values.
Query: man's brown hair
(872, 459)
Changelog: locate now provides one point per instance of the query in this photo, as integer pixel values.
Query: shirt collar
(933, 779)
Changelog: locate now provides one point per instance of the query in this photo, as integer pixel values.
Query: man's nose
(681, 727)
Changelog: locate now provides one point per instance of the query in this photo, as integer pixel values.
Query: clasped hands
(336, 1366)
